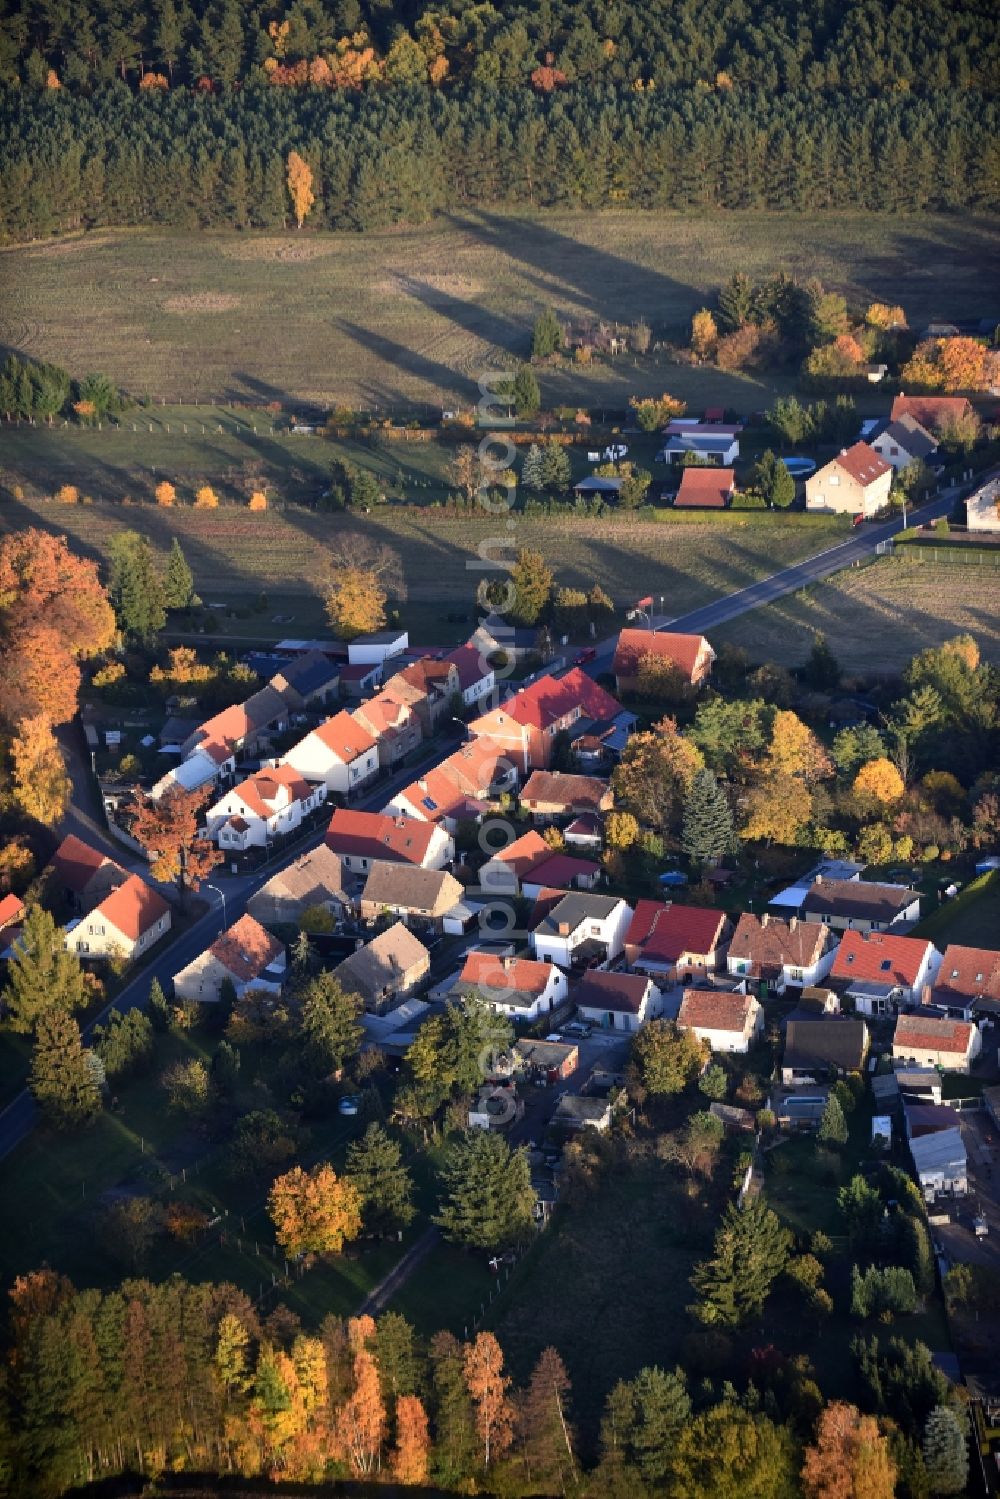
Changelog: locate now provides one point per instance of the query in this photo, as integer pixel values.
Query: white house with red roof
(363, 838)
(930, 411)
(968, 980)
(728, 1020)
(675, 942)
(476, 677)
(247, 955)
(84, 874)
(856, 482)
(691, 655)
(503, 871)
(527, 724)
(522, 988)
(559, 872)
(883, 972)
(617, 1001)
(340, 753)
(460, 788)
(933, 1041)
(267, 805)
(126, 923)
(395, 727)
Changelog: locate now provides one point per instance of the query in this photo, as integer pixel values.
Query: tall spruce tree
(62, 1081)
(946, 1452)
(736, 303)
(375, 1167)
(42, 976)
(546, 337)
(707, 832)
(487, 1196)
(533, 470)
(773, 480)
(525, 393)
(134, 588)
(556, 469)
(178, 583)
(833, 1125)
(750, 1252)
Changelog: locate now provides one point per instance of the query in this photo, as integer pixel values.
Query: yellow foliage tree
(704, 334)
(879, 315)
(488, 1385)
(258, 500)
(795, 751)
(314, 1212)
(879, 781)
(849, 1458)
(154, 82)
(206, 498)
(300, 186)
(777, 809)
(41, 785)
(52, 79)
(67, 494)
(165, 493)
(361, 1419)
(655, 774)
(410, 1463)
(621, 830)
(355, 601)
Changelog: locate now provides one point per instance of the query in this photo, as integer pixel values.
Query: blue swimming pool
(800, 468)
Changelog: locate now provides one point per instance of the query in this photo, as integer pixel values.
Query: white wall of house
(622, 1020)
(260, 830)
(951, 1061)
(559, 948)
(736, 1042)
(316, 761)
(96, 937)
(555, 991)
(834, 490)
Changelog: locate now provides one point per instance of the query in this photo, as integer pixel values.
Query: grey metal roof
(576, 907)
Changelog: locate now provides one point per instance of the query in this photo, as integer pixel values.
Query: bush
(884, 1293)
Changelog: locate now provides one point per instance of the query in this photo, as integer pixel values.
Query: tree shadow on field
(261, 390)
(472, 317)
(450, 383)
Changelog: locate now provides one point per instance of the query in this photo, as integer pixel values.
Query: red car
(590, 654)
(857, 520)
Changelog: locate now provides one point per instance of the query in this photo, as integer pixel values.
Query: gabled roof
(910, 436)
(372, 835)
(929, 1033)
(768, 942)
(344, 736)
(968, 973)
(246, 949)
(427, 674)
(559, 789)
(860, 900)
(384, 715)
(880, 957)
(715, 1010)
(471, 664)
(559, 871)
(548, 700)
(383, 962)
(574, 909)
(621, 992)
(133, 908)
(585, 826)
(412, 887)
(830, 1041)
(75, 863)
(265, 707)
(11, 909)
(490, 972)
(862, 463)
(705, 487)
(682, 650)
(313, 877)
(929, 410)
(225, 730)
(259, 792)
(667, 932)
(524, 853)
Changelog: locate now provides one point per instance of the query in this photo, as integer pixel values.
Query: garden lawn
(971, 919)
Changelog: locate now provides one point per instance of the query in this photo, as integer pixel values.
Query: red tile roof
(715, 1010)
(75, 863)
(246, 949)
(259, 792)
(524, 853)
(928, 410)
(11, 909)
(682, 650)
(880, 958)
(571, 792)
(133, 908)
(622, 992)
(228, 727)
(970, 972)
(862, 463)
(345, 737)
(490, 972)
(560, 871)
(547, 701)
(705, 487)
(372, 835)
(770, 943)
(929, 1033)
(472, 665)
(667, 932)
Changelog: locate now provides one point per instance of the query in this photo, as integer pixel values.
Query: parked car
(857, 520)
(577, 1031)
(582, 657)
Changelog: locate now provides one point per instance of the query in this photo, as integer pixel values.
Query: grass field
(408, 316)
(235, 554)
(972, 919)
(876, 618)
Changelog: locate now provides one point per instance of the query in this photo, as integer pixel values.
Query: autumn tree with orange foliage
(206, 498)
(41, 785)
(879, 781)
(167, 828)
(548, 77)
(314, 1212)
(300, 186)
(849, 1458)
(361, 1420)
(488, 1388)
(154, 82)
(166, 494)
(654, 775)
(258, 500)
(951, 364)
(411, 1456)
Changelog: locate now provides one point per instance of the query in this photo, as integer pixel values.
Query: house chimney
(793, 922)
(764, 920)
(818, 880)
(563, 928)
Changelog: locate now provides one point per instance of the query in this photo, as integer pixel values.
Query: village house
(522, 988)
(244, 729)
(394, 726)
(313, 880)
(420, 897)
(339, 753)
(580, 927)
(940, 1162)
(674, 942)
(859, 905)
(245, 955)
(856, 482)
(208, 764)
(12, 912)
(428, 687)
(691, 655)
(584, 833)
(525, 727)
(83, 874)
(386, 970)
(729, 1022)
(496, 637)
(617, 1001)
(268, 805)
(982, 509)
(126, 923)
(503, 871)
(712, 442)
(377, 648)
(359, 678)
(882, 972)
(822, 1047)
(576, 1111)
(546, 1061)
(968, 981)
(362, 837)
(559, 872)
(599, 487)
(602, 746)
(930, 411)
(476, 677)
(928, 1041)
(459, 789)
(902, 442)
(705, 488)
(549, 795)
(775, 953)
(307, 681)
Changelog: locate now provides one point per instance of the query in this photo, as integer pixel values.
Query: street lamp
(647, 617)
(222, 898)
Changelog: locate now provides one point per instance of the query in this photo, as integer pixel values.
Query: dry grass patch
(201, 302)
